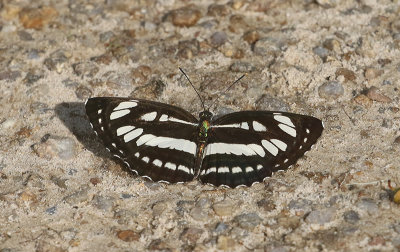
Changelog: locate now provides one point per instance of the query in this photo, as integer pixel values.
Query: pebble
(327, 3)
(186, 16)
(291, 222)
(351, 216)
(221, 228)
(140, 74)
(363, 100)
(10, 75)
(267, 47)
(331, 90)
(159, 207)
(266, 204)
(242, 67)
(248, 221)
(56, 60)
(332, 45)
(269, 103)
(51, 210)
(62, 147)
(368, 205)
(150, 91)
(39, 108)
(158, 245)
(85, 69)
(24, 35)
(59, 181)
(104, 203)
(372, 73)
(225, 243)
(374, 94)
(223, 208)
(128, 235)
(36, 18)
(218, 10)
(83, 93)
(200, 211)
(94, 181)
(300, 205)
(191, 234)
(346, 73)
(218, 38)
(187, 49)
(77, 197)
(184, 206)
(396, 227)
(105, 58)
(322, 52)
(251, 36)
(237, 23)
(321, 216)
(28, 196)
(32, 77)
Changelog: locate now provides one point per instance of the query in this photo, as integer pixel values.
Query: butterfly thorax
(204, 125)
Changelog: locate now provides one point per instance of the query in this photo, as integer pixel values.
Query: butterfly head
(205, 115)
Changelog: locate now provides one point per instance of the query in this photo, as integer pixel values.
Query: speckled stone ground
(334, 59)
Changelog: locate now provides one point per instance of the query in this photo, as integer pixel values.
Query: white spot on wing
(170, 166)
(173, 119)
(168, 143)
(244, 125)
(269, 147)
(183, 168)
(126, 105)
(99, 111)
(146, 159)
(249, 169)
(287, 129)
(137, 154)
(258, 149)
(281, 145)
(145, 138)
(123, 130)
(259, 167)
(284, 119)
(157, 162)
(163, 118)
(223, 169)
(149, 116)
(308, 131)
(259, 127)
(119, 113)
(133, 134)
(210, 170)
(236, 149)
(234, 125)
(236, 169)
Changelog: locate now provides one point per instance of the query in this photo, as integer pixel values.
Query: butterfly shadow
(73, 116)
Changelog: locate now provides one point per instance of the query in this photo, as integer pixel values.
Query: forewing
(246, 147)
(153, 139)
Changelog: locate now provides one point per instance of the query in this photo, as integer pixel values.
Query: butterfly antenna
(226, 90)
(202, 102)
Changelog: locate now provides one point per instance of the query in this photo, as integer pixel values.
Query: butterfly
(168, 144)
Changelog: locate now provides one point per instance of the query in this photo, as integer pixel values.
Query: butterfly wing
(153, 139)
(246, 147)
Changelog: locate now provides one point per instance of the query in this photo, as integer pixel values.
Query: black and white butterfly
(168, 144)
